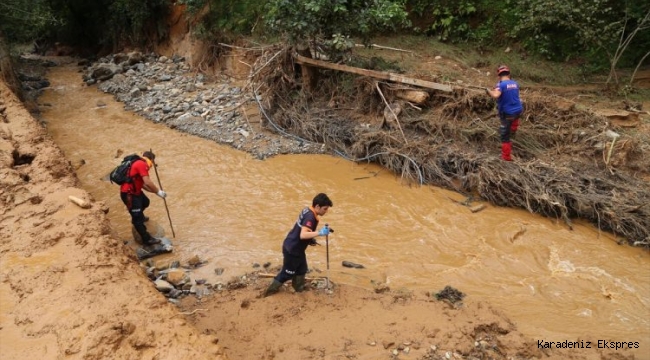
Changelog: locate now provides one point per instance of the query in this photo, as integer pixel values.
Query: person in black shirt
(303, 234)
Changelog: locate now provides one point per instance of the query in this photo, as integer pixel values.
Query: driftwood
(414, 96)
(372, 73)
(79, 202)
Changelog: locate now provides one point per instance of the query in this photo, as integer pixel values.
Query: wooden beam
(372, 73)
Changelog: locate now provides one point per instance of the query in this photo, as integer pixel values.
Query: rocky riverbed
(166, 90)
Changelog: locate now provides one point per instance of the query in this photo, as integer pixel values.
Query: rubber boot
(506, 149)
(273, 288)
(298, 283)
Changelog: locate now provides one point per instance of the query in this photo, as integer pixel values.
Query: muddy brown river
(233, 211)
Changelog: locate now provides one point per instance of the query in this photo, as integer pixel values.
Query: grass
(526, 67)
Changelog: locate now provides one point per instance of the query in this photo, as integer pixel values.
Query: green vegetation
(599, 35)
(101, 24)
(224, 20)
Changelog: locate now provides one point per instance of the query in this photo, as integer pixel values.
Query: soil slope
(68, 289)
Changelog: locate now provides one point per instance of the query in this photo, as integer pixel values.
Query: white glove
(162, 194)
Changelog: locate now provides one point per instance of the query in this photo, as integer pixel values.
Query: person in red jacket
(510, 108)
(135, 199)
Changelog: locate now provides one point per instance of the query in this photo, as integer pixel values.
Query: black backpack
(120, 175)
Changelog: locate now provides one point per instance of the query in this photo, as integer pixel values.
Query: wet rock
(174, 293)
(177, 277)
(450, 294)
(194, 261)
(350, 264)
(105, 71)
(163, 286)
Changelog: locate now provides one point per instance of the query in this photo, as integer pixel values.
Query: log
(372, 73)
(79, 202)
(414, 96)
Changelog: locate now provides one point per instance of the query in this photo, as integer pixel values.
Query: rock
(350, 264)
(477, 208)
(174, 293)
(105, 71)
(194, 261)
(163, 286)
(387, 343)
(177, 277)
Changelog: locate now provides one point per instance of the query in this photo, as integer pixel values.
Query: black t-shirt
(292, 242)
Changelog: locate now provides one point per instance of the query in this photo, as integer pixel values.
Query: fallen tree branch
(374, 74)
(392, 112)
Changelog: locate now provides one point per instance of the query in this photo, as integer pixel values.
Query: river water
(233, 211)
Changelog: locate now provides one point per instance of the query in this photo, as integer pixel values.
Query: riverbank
(68, 289)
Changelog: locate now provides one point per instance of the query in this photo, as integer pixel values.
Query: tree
(332, 22)
(585, 28)
(24, 20)
(624, 42)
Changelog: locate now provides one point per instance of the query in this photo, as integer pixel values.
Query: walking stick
(327, 251)
(155, 168)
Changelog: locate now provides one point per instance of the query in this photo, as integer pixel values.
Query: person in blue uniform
(510, 108)
(302, 234)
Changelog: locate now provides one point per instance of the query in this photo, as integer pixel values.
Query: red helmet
(503, 69)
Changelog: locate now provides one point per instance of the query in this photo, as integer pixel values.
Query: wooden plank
(372, 73)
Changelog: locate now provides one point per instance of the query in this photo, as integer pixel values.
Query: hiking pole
(327, 251)
(155, 168)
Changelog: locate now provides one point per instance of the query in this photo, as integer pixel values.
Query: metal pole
(155, 168)
(327, 251)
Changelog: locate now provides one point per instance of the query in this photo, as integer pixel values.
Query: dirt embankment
(68, 289)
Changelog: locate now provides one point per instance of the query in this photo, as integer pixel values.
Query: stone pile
(166, 90)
